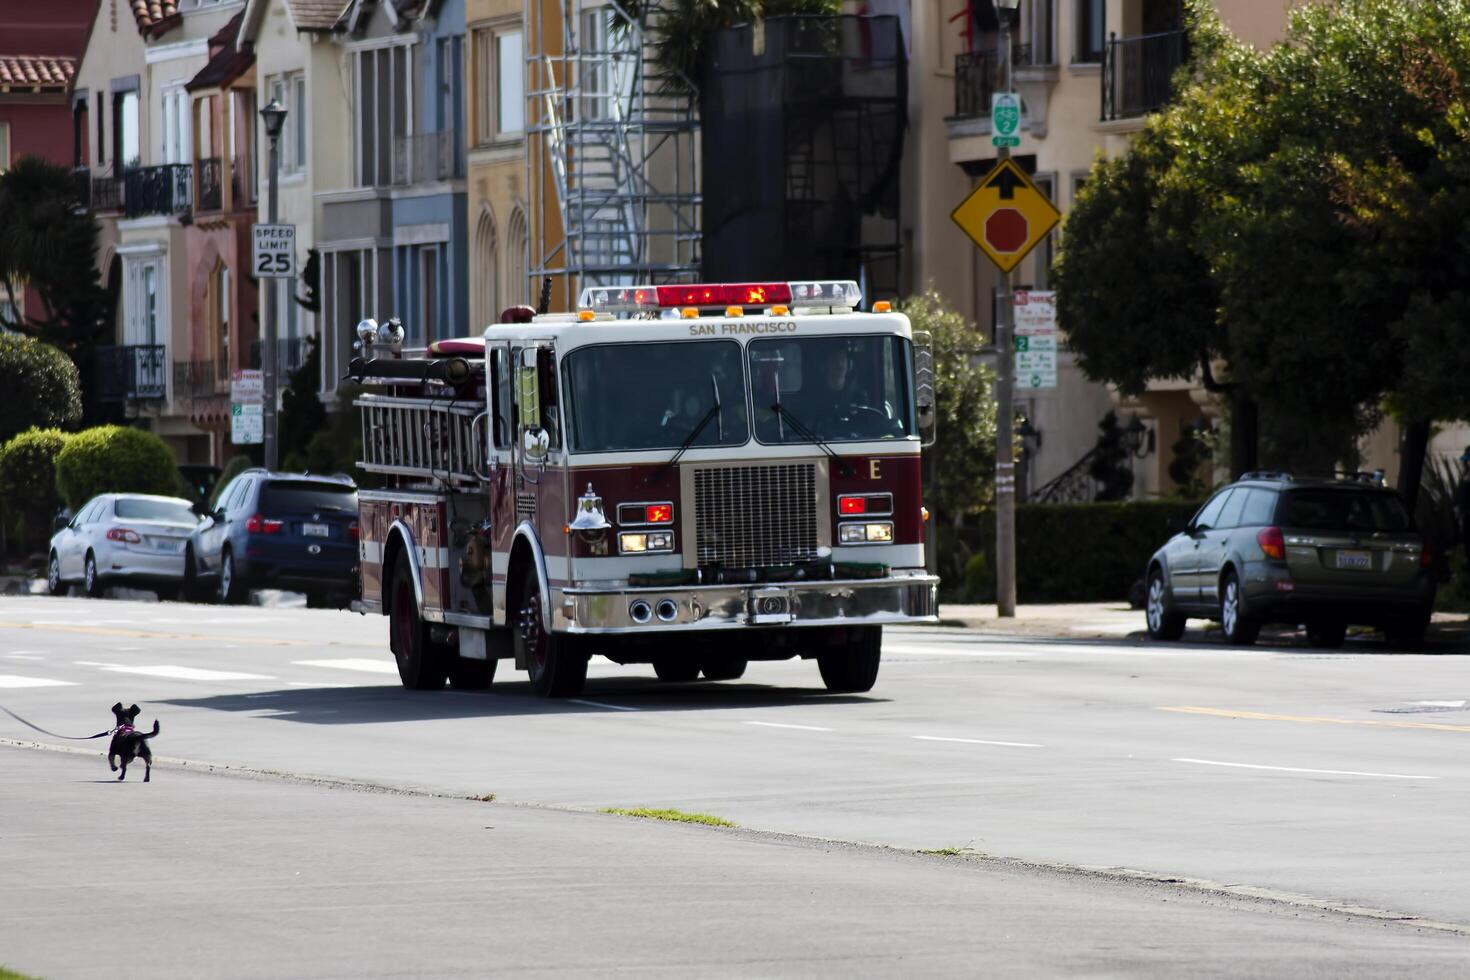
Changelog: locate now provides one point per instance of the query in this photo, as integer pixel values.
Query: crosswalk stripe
(352, 663)
(190, 673)
(15, 680)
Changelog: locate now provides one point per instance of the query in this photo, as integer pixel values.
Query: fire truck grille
(756, 516)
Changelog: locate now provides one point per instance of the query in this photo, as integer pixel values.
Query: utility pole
(1005, 378)
(274, 116)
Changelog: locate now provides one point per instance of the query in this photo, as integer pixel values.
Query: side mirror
(535, 443)
(924, 400)
(528, 383)
(61, 520)
(218, 515)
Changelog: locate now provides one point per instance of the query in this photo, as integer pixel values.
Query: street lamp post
(274, 116)
(1008, 13)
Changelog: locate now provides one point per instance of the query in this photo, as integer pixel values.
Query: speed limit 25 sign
(275, 252)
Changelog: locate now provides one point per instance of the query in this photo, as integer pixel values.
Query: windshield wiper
(715, 412)
(803, 430)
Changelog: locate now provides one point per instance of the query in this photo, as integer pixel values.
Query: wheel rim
(1230, 612)
(53, 573)
(532, 633)
(403, 617)
(1156, 604)
(91, 573)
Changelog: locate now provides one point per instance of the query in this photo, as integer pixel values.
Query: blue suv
(293, 531)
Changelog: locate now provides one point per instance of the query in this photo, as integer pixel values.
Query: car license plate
(315, 530)
(169, 546)
(1354, 559)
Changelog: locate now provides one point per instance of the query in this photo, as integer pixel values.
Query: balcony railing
(99, 191)
(211, 184)
(158, 190)
(1138, 73)
(974, 78)
(134, 372)
(425, 157)
(290, 355)
(201, 379)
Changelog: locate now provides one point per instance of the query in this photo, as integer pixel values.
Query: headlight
(636, 542)
(880, 532)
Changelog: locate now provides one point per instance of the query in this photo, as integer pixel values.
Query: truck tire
(422, 664)
(853, 667)
(724, 668)
(677, 670)
(556, 664)
(471, 675)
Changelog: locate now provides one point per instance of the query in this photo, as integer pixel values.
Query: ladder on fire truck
(434, 440)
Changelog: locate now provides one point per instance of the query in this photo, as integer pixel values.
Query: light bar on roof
(635, 299)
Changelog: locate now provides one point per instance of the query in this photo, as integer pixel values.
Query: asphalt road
(1273, 787)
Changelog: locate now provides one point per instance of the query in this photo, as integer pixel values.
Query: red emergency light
(639, 299)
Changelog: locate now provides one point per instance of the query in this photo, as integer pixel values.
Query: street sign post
(274, 256)
(1006, 215)
(1005, 119)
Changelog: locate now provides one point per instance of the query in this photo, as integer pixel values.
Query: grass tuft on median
(677, 816)
(944, 851)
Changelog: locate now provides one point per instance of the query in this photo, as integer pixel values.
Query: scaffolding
(613, 173)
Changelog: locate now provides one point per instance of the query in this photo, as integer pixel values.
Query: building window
(1035, 33)
(517, 254)
(487, 271)
(290, 91)
(426, 330)
(176, 148)
(383, 84)
(355, 284)
(217, 323)
(143, 302)
(1040, 259)
(500, 103)
(125, 131)
(1089, 31)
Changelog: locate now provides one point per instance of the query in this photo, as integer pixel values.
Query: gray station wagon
(1272, 548)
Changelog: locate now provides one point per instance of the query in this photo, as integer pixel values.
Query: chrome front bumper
(896, 599)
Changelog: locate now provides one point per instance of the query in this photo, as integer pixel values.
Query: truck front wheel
(423, 664)
(852, 667)
(557, 666)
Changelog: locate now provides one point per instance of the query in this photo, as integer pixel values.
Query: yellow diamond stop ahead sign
(1006, 215)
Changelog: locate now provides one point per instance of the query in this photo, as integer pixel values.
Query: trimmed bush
(42, 387)
(1064, 552)
(28, 482)
(114, 459)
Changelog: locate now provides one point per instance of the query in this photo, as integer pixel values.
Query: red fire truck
(692, 476)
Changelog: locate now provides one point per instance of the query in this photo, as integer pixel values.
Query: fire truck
(688, 476)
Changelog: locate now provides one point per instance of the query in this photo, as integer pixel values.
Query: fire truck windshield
(654, 395)
(838, 389)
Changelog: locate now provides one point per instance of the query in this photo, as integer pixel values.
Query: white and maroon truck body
(695, 490)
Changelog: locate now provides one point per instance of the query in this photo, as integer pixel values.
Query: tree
(962, 458)
(1324, 186)
(28, 482)
(302, 414)
(42, 387)
(49, 242)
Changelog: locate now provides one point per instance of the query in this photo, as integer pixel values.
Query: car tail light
(352, 530)
(852, 505)
(260, 524)
(1273, 545)
(125, 535)
(659, 513)
(1426, 556)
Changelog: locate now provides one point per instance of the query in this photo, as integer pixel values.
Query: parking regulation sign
(274, 256)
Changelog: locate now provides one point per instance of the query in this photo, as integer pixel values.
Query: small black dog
(127, 744)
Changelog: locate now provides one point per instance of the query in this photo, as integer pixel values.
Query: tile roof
(46, 72)
(317, 15)
(150, 13)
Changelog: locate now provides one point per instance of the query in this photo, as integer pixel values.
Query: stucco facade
(496, 184)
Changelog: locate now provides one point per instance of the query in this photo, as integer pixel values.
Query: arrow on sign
(1006, 181)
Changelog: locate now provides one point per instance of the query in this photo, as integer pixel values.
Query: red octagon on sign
(1006, 230)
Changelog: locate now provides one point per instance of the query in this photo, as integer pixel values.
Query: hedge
(115, 459)
(28, 481)
(42, 387)
(1064, 552)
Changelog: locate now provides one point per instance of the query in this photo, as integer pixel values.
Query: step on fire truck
(691, 476)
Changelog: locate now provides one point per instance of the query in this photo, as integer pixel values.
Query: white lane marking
(1321, 772)
(599, 704)
(978, 741)
(96, 663)
(15, 680)
(311, 685)
(25, 656)
(777, 724)
(1438, 704)
(190, 673)
(352, 663)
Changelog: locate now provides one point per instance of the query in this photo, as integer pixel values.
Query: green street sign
(1005, 119)
(1023, 344)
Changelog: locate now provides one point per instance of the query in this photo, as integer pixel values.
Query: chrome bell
(589, 513)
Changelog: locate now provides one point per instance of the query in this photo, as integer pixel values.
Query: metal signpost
(274, 258)
(1006, 216)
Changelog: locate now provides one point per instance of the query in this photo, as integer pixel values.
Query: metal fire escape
(612, 155)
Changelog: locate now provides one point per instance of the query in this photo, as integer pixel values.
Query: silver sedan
(129, 539)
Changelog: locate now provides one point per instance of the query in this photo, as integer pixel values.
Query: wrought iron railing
(975, 78)
(425, 157)
(132, 372)
(290, 355)
(1074, 485)
(211, 184)
(201, 379)
(158, 190)
(1138, 73)
(99, 191)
